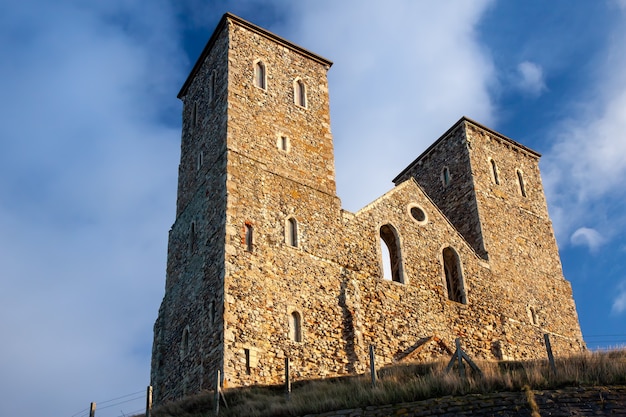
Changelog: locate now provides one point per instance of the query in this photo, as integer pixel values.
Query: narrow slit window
(200, 160)
(295, 327)
(213, 86)
(192, 237)
(259, 75)
(390, 249)
(249, 237)
(494, 171)
(283, 143)
(300, 93)
(291, 233)
(445, 176)
(247, 353)
(194, 114)
(520, 180)
(453, 275)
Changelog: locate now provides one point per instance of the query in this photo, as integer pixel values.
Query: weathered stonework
(473, 257)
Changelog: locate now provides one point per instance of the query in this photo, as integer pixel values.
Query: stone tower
(263, 263)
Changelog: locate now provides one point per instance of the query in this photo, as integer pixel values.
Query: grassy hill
(408, 383)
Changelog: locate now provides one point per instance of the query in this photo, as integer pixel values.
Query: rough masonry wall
(234, 283)
(193, 300)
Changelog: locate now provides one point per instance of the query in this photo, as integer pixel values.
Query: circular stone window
(418, 214)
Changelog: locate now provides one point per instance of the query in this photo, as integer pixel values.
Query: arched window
(299, 93)
(200, 160)
(520, 181)
(249, 237)
(259, 75)
(184, 343)
(445, 176)
(291, 232)
(390, 246)
(454, 276)
(295, 327)
(494, 171)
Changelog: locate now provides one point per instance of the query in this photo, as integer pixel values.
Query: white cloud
(400, 79)
(619, 302)
(585, 167)
(530, 78)
(585, 236)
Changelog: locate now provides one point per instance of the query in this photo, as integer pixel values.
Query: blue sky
(90, 143)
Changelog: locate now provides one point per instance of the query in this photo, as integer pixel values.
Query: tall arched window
(445, 176)
(184, 343)
(249, 237)
(390, 244)
(494, 171)
(454, 276)
(295, 326)
(299, 93)
(291, 232)
(259, 75)
(520, 181)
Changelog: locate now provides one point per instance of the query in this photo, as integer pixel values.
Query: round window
(418, 214)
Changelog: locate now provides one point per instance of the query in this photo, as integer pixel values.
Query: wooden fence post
(92, 410)
(546, 338)
(459, 357)
(287, 379)
(372, 366)
(217, 393)
(149, 401)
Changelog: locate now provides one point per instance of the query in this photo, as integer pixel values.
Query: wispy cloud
(585, 167)
(619, 302)
(585, 236)
(530, 79)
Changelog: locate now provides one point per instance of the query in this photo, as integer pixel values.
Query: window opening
(520, 180)
(390, 248)
(295, 327)
(292, 232)
(259, 75)
(249, 237)
(494, 171)
(445, 176)
(213, 86)
(454, 277)
(200, 160)
(283, 143)
(192, 237)
(300, 93)
(247, 353)
(418, 214)
(194, 114)
(184, 344)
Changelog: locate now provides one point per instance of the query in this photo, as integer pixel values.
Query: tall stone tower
(264, 264)
(256, 158)
(489, 186)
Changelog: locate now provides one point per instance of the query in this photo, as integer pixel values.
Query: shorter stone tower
(264, 264)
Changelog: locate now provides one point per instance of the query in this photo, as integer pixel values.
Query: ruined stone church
(263, 263)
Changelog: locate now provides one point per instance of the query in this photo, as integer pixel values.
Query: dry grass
(404, 383)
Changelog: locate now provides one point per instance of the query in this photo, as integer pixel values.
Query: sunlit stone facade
(263, 263)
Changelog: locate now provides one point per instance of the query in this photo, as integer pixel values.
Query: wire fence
(124, 406)
(134, 403)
